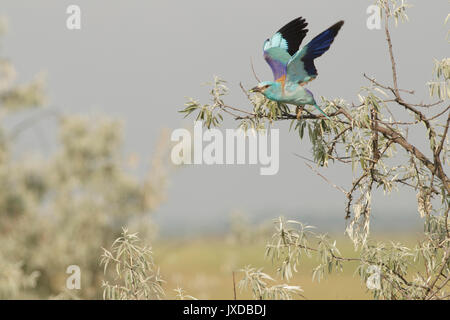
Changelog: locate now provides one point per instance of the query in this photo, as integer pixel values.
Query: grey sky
(138, 60)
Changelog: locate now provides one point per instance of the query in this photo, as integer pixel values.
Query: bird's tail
(321, 111)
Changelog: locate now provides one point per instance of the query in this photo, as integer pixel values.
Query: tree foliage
(134, 268)
(393, 264)
(136, 276)
(58, 209)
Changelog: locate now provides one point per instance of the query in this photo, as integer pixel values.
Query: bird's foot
(299, 112)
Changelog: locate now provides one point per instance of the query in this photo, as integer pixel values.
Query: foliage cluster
(58, 209)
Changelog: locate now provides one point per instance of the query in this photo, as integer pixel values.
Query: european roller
(292, 67)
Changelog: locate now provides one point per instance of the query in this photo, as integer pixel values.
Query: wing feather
(278, 50)
(301, 69)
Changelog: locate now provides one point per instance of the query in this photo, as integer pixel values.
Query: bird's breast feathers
(292, 93)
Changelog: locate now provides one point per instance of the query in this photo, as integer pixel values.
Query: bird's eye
(266, 87)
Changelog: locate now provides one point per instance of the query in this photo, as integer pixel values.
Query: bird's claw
(299, 112)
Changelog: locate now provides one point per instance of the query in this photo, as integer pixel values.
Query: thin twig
(325, 178)
(253, 70)
(234, 286)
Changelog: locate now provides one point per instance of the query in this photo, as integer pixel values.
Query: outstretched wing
(301, 69)
(279, 49)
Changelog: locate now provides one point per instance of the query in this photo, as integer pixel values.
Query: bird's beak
(255, 89)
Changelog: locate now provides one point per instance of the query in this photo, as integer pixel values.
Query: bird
(293, 67)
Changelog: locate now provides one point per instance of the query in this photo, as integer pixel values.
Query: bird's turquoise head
(270, 89)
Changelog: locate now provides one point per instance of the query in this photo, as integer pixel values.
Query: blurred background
(87, 115)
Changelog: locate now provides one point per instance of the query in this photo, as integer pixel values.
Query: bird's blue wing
(277, 59)
(279, 49)
(301, 69)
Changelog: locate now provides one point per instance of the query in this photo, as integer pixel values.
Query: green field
(204, 267)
